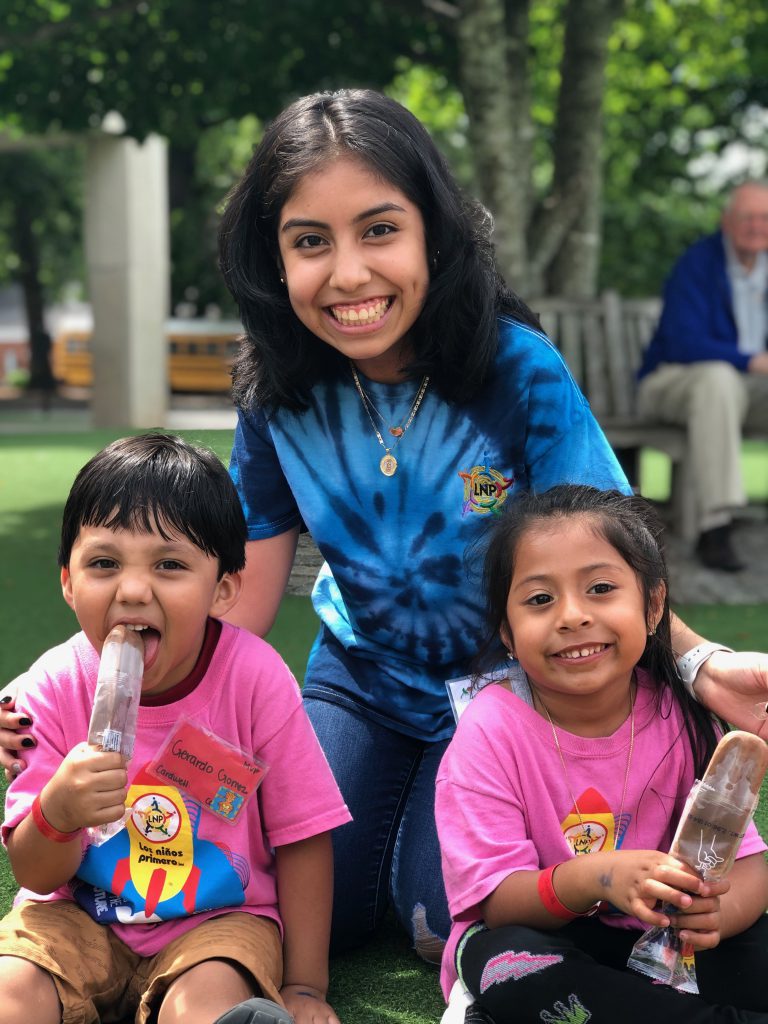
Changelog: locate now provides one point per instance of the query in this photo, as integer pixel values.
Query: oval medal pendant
(388, 465)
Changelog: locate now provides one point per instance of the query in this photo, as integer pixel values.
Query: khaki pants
(98, 978)
(715, 402)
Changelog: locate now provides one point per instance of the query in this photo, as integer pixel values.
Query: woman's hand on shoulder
(734, 684)
(14, 737)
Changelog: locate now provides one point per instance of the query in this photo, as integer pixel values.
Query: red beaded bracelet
(550, 899)
(45, 828)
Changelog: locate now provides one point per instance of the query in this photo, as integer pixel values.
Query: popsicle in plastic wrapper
(116, 704)
(714, 820)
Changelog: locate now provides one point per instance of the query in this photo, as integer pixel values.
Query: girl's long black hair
(454, 338)
(631, 526)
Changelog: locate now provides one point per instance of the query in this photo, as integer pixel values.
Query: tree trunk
(556, 248)
(182, 161)
(578, 141)
(493, 68)
(25, 243)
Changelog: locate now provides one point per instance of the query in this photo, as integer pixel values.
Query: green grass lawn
(383, 983)
(655, 472)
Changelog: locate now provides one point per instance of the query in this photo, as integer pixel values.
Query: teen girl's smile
(576, 615)
(353, 253)
(163, 588)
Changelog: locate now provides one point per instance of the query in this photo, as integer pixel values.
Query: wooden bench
(306, 566)
(602, 340)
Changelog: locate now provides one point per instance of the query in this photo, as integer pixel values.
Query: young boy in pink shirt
(218, 887)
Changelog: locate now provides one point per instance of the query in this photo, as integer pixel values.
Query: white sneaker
(458, 1001)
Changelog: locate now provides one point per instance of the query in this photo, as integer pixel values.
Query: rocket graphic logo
(158, 867)
(591, 826)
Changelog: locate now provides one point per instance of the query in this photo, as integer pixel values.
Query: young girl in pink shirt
(560, 793)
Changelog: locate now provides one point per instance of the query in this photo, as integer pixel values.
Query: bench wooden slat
(306, 566)
(613, 336)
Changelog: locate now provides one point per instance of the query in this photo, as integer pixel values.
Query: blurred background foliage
(684, 109)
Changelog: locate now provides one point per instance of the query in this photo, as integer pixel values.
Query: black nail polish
(27, 742)
(25, 721)
(5, 700)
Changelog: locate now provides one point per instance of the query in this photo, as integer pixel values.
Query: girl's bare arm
(268, 566)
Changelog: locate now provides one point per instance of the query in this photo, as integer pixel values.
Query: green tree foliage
(198, 74)
(40, 217)
(48, 182)
(683, 90)
(177, 68)
(684, 79)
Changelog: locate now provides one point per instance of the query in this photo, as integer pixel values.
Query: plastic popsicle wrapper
(714, 820)
(721, 805)
(116, 705)
(118, 692)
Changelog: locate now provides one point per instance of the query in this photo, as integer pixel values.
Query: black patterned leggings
(579, 974)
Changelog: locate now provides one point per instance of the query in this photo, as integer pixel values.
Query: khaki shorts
(98, 978)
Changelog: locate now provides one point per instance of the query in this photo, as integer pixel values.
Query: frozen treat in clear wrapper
(714, 820)
(116, 704)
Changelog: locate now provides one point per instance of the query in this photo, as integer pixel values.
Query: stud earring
(282, 279)
(510, 655)
(652, 632)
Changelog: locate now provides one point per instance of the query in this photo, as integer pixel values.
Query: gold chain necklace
(388, 464)
(584, 829)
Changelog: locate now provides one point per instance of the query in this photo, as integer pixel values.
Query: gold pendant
(388, 464)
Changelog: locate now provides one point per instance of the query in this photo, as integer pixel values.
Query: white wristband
(688, 664)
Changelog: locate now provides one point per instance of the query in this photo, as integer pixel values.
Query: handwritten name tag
(219, 775)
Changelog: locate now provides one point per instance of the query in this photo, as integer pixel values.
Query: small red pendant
(396, 431)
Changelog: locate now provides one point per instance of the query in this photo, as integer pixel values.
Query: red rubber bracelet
(549, 897)
(45, 828)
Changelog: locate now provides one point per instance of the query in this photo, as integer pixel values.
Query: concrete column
(126, 244)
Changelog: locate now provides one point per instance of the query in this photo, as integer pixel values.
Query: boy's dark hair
(630, 525)
(158, 481)
(455, 336)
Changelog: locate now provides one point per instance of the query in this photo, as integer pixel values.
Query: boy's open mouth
(150, 638)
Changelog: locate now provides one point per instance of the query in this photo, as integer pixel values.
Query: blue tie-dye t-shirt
(400, 593)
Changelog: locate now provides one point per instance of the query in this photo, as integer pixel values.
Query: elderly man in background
(706, 367)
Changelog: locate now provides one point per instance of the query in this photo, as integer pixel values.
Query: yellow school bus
(200, 355)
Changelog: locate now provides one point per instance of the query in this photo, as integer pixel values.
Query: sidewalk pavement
(70, 413)
(690, 582)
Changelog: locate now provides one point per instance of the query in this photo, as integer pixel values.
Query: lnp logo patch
(156, 817)
(485, 490)
(515, 966)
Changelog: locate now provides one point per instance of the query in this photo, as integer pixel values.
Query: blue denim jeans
(389, 852)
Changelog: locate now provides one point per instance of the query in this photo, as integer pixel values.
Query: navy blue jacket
(697, 321)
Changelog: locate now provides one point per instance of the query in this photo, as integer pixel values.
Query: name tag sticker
(219, 775)
(461, 691)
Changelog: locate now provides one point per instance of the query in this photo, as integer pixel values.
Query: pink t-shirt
(176, 862)
(503, 803)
